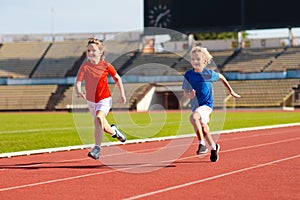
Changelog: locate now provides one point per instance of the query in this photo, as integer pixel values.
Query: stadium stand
(18, 59)
(145, 60)
(132, 90)
(221, 56)
(124, 60)
(252, 60)
(47, 60)
(66, 99)
(220, 95)
(116, 49)
(25, 97)
(155, 64)
(289, 59)
(263, 93)
(60, 58)
(255, 93)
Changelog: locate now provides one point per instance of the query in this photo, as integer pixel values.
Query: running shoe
(118, 134)
(95, 153)
(214, 157)
(202, 149)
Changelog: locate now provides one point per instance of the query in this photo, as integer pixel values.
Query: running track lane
(260, 164)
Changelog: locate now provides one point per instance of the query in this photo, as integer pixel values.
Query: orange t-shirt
(96, 82)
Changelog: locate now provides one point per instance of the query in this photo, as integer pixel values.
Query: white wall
(145, 102)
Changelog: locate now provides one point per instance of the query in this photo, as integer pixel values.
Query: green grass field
(29, 131)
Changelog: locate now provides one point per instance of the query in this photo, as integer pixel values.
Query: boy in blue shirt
(198, 87)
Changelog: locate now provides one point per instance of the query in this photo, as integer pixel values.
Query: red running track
(262, 164)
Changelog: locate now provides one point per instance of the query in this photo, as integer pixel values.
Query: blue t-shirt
(201, 82)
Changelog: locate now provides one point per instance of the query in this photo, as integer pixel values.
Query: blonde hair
(204, 51)
(99, 44)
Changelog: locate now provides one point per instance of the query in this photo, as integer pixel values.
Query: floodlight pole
(52, 24)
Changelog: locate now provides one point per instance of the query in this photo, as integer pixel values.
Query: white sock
(201, 142)
(213, 146)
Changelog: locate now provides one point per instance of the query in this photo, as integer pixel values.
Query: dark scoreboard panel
(221, 15)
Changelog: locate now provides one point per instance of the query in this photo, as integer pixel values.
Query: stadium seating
(289, 59)
(25, 97)
(66, 100)
(219, 57)
(55, 60)
(262, 93)
(18, 59)
(59, 59)
(116, 49)
(252, 60)
(146, 64)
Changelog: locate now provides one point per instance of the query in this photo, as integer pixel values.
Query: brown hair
(99, 45)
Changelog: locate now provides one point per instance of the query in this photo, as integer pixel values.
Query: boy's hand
(192, 94)
(123, 99)
(81, 94)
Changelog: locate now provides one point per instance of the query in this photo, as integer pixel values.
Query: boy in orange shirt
(94, 72)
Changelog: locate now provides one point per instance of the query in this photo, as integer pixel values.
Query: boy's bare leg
(101, 117)
(208, 137)
(112, 130)
(214, 157)
(98, 133)
(195, 121)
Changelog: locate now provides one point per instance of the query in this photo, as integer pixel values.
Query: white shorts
(204, 112)
(103, 105)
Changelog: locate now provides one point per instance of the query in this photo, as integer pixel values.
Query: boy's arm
(227, 85)
(119, 83)
(79, 93)
(189, 94)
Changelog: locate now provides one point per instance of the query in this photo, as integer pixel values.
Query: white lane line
(152, 149)
(137, 166)
(209, 178)
(50, 150)
(260, 145)
(37, 130)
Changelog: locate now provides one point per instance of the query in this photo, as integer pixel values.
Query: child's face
(93, 53)
(197, 60)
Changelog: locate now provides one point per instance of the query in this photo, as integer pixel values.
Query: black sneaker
(202, 149)
(118, 134)
(214, 157)
(95, 153)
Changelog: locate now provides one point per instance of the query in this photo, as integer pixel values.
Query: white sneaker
(118, 134)
(95, 153)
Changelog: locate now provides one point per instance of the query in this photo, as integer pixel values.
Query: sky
(84, 16)
(70, 16)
